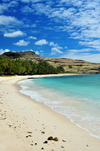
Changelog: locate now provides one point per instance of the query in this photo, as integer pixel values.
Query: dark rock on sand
(63, 140)
(43, 132)
(50, 138)
(42, 148)
(45, 142)
(55, 139)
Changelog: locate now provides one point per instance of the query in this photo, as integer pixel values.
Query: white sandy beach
(25, 124)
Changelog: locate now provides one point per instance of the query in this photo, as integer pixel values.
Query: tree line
(23, 67)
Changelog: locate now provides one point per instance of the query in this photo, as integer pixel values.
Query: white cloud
(31, 37)
(41, 42)
(35, 6)
(41, 51)
(66, 47)
(34, 25)
(42, 8)
(55, 45)
(51, 44)
(12, 4)
(3, 7)
(6, 0)
(63, 13)
(6, 6)
(72, 2)
(55, 50)
(4, 50)
(84, 24)
(22, 43)
(28, 50)
(82, 55)
(93, 44)
(28, 1)
(79, 51)
(26, 9)
(9, 20)
(81, 19)
(37, 52)
(14, 34)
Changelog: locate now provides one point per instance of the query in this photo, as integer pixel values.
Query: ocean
(75, 96)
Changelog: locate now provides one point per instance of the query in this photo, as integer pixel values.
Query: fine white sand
(25, 124)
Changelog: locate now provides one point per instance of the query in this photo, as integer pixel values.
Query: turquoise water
(76, 96)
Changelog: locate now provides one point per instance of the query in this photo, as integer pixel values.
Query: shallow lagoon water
(76, 96)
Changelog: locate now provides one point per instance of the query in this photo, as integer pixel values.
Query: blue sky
(51, 28)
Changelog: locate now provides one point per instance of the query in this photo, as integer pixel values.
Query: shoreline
(25, 124)
(51, 107)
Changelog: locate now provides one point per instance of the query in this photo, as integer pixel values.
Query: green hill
(69, 65)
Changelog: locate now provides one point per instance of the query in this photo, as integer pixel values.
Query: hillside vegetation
(19, 66)
(58, 64)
